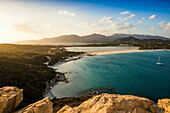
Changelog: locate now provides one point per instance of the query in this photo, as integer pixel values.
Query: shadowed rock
(42, 106)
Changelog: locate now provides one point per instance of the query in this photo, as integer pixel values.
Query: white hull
(159, 63)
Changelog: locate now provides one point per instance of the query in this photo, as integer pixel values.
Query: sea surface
(127, 73)
(96, 48)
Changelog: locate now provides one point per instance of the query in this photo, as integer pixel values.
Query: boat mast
(159, 60)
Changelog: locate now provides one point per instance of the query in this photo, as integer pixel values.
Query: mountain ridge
(92, 38)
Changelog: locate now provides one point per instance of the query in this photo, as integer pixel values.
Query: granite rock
(10, 97)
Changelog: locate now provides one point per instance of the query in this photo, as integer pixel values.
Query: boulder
(114, 103)
(164, 104)
(42, 106)
(10, 97)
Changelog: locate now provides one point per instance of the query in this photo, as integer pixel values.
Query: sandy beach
(105, 52)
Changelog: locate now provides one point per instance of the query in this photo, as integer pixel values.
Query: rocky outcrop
(113, 103)
(164, 104)
(10, 97)
(42, 106)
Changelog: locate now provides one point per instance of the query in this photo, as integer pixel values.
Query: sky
(36, 19)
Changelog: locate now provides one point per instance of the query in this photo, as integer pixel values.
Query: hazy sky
(35, 19)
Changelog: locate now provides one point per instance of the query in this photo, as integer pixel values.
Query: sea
(97, 48)
(126, 73)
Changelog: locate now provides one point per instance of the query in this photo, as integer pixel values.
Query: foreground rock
(113, 103)
(10, 97)
(164, 104)
(42, 106)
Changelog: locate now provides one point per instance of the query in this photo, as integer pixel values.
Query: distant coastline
(114, 51)
(105, 52)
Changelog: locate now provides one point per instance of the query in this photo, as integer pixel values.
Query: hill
(93, 38)
(144, 43)
(131, 41)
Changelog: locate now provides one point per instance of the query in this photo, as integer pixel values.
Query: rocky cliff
(113, 103)
(10, 97)
(42, 106)
(164, 104)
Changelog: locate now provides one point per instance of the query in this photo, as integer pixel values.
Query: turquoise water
(127, 73)
(96, 48)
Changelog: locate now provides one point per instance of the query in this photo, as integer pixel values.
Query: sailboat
(159, 63)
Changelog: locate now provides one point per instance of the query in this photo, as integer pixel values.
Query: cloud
(152, 28)
(125, 12)
(131, 16)
(168, 24)
(116, 27)
(164, 26)
(24, 28)
(120, 26)
(140, 21)
(89, 25)
(128, 17)
(152, 17)
(106, 19)
(161, 23)
(103, 30)
(64, 12)
(135, 28)
(143, 18)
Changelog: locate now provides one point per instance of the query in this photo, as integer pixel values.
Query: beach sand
(105, 52)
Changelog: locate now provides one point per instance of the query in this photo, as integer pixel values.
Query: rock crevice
(10, 97)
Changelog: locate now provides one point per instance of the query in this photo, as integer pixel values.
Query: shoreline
(106, 52)
(60, 76)
(48, 91)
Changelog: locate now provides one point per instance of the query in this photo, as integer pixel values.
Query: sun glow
(26, 20)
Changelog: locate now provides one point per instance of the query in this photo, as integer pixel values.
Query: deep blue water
(127, 73)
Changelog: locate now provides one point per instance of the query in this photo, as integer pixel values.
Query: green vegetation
(155, 44)
(58, 54)
(142, 44)
(23, 66)
(71, 101)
